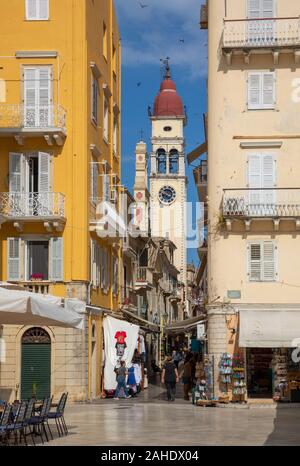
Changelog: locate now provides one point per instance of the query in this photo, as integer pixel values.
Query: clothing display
(225, 369)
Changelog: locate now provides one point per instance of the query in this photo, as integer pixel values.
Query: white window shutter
(43, 9)
(255, 262)
(269, 267)
(97, 258)
(13, 259)
(268, 8)
(44, 97)
(254, 90)
(31, 78)
(268, 90)
(253, 8)
(31, 9)
(57, 260)
(44, 172)
(15, 172)
(268, 181)
(254, 181)
(102, 268)
(94, 181)
(106, 188)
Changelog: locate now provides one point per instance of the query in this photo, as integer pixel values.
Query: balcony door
(37, 260)
(261, 180)
(37, 97)
(260, 30)
(29, 184)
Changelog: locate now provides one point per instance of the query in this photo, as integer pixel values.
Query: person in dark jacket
(187, 376)
(170, 378)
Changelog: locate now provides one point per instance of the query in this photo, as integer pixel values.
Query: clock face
(167, 195)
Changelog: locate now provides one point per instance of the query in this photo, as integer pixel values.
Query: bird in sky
(138, 84)
(143, 5)
(181, 40)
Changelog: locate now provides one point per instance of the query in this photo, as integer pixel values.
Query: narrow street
(150, 420)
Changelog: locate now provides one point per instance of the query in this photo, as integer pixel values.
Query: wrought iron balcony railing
(21, 205)
(35, 117)
(272, 203)
(261, 32)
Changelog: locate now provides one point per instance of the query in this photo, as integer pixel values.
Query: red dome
(168, 102)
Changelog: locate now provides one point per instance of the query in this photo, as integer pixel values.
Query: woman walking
(170, 378)
(121, 379)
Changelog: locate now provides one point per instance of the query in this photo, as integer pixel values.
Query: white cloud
(157, 31)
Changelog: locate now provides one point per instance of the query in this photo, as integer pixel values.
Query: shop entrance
(260, 372)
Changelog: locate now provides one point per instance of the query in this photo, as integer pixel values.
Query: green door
(36, 370)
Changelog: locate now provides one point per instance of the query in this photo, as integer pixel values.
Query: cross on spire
(166, 64)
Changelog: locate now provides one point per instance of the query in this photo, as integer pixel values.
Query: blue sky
(163, 28)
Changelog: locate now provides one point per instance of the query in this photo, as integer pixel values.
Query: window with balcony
(261, 180)
(261, 90)
(95, 93)
(262, 261)
(37, 10)
(38, 108)
(260, 26)
(35, 260)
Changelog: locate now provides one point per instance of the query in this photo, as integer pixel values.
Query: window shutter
(44, 172)
(57, 259)
(268, 90)
(102, 268)
(94, 181)
(31, 9)
(254, 180)
(30, 96)
(254, 91)
(13, 259)
(255, 263)
(43, 9)
(268, 180)
(268, 8)
(106, 188)
(269, 272)
(44, 99)
(97, 265)
(15, 172)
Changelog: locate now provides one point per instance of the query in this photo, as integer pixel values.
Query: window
(105, 269)
(37, 10)
(95, 92)
(173, 161)
(261, 29)
(115, 276)
(115, 61)
(38, 112)
(42, 259)
(106, 120)
(262, 266)
(104, 41)
(94, 182)
(262, 177)
(261, 90)
(95, 264)
(161, 161)
(115, 138)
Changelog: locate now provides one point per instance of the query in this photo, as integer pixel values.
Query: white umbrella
(26, 308)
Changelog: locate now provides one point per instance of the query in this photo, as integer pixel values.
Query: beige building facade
(253, 193)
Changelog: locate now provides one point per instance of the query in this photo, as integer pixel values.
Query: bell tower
(168, 181)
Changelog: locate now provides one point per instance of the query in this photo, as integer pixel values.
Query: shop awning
(143, 323)
(184, 325)
(270, 328)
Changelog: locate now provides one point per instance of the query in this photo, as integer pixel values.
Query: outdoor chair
(18, 424)
(4, 421)
(28, 416)
(58, 416)
(39, 420)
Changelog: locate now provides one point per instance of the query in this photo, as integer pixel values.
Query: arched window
(174, 161)
(161, 161)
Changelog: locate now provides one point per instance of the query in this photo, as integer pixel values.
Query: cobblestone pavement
(149, 420)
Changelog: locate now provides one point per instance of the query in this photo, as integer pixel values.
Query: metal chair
(38, 421)
(58, 415)
(4, 421)
(28, 416)
(18, 424)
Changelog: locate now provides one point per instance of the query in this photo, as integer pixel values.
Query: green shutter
(36, 370)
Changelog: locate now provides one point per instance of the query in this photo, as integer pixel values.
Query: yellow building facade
(60, 80)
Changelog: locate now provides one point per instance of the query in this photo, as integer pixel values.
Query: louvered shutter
(94, 181)
(43, 9)
(268, 181)
(15, 172)
(254, 181)
(13, 259)
(267, 8)
(45, 115)
(254, 90)
(255, 262)
(102, 268)
(97, 265)
(106, 188)
(31, 9)
(268, 90)
(269, 262)
(56, 259)
(31, 78)
(44, 172)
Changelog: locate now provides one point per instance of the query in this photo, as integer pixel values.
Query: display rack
(225, 370)
(239, 388)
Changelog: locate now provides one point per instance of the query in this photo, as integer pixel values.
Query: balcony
(274, 204)
(261, 35)
(44, 207)
(20, 122)
(200, 176)
(129, 298)
(143, 279)
(105, 220)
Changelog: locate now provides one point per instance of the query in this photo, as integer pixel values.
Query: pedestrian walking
(170, 378)
(121, 379)
(187, 377)
(176, 358)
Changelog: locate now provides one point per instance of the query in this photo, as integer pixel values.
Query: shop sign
(200, 331)
(234, 294)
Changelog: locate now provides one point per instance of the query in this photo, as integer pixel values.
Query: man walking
(170, 378)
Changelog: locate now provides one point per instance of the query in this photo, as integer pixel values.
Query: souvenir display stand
(225, 376)
(239, 387)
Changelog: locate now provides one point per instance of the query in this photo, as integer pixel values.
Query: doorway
(260, 372)
(38, 260)
(36, 364)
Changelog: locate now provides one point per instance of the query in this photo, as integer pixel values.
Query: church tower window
(161, 162)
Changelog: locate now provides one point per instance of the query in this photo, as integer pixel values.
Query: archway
(36, 364)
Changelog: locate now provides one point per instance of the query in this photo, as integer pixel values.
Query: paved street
(149, 420)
